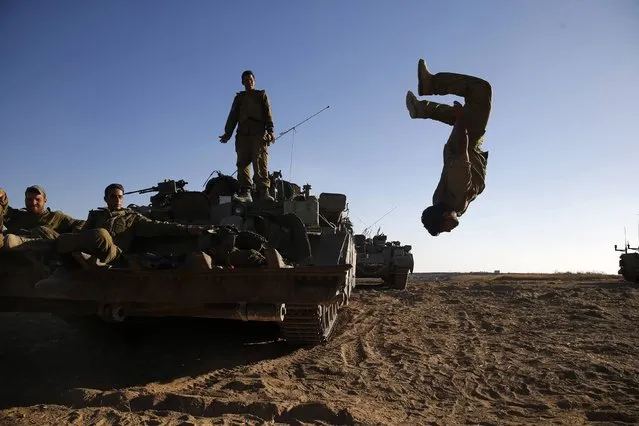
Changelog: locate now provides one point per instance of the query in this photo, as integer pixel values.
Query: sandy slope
(449, 350)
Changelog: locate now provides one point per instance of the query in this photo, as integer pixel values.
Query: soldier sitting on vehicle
(34, 221)
(109, 231)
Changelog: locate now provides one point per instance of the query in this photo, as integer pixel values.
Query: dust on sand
(451, 349)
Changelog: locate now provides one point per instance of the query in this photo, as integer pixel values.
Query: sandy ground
(452, 349)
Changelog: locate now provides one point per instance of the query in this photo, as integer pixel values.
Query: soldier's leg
(476, 92)
(458, 138)
(259, 157)
(96, 242)
(43, 232)
(429, 109)
(20, 243)
(243, 148)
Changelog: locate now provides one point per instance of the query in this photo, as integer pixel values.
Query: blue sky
(138, 91)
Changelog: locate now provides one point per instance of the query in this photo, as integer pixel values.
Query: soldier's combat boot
(265, 196)
(428, 109)
(411, 104)
(243, 196)
(423, 79)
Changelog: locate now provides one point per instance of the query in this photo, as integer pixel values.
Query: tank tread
(309, 324)
(399, 280)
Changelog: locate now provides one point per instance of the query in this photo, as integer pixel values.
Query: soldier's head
(35, 199)
(113, 196)
(439, 218)
(248, 80)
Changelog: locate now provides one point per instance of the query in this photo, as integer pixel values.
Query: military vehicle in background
(629, 263)
(290, 261)
(379, 258)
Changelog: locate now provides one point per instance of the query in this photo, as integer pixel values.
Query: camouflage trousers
(252, 149)
(96, 242)
(39, 238)
(477, 94)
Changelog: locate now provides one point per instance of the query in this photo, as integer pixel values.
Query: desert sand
(451, 349)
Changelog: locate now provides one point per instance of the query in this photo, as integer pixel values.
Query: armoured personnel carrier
(289, 261)
(629, 263)
(389, 260)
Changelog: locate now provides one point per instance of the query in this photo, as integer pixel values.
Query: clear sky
(95, 92)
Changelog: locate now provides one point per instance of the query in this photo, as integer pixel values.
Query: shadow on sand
(42, 357)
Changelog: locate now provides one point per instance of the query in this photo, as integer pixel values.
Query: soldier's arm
(458, 179)
(69, 224)
(459, 134)
(231, 121)
(7, 213)
(145, 227)
(268, 115)
(4, 205)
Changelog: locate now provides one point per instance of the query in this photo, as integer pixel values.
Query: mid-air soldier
(464, 171)
(35, 220)
(251, 112)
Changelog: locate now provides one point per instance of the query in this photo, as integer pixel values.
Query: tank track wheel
(309, 324)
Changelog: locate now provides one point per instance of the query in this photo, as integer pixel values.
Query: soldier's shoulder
(57, 213)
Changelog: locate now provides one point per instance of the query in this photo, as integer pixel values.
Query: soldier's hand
(270, 138)
(224, 138)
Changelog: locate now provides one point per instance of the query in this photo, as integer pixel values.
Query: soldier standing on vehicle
(251, 112)
(36, 220)
(464, 171)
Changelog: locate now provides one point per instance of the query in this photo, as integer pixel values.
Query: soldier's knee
(44, 232)
(102, 234)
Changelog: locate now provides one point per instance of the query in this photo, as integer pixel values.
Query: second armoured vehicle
(379, 258)
(629, 263)
(290, 261)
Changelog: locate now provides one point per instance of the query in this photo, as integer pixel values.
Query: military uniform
(251, 112)
(45, 225)
(4, 206)
(461, 181)
(106, 233)
(24, 225)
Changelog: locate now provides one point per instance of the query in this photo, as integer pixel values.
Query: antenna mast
(366, 230)
(300, 123)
